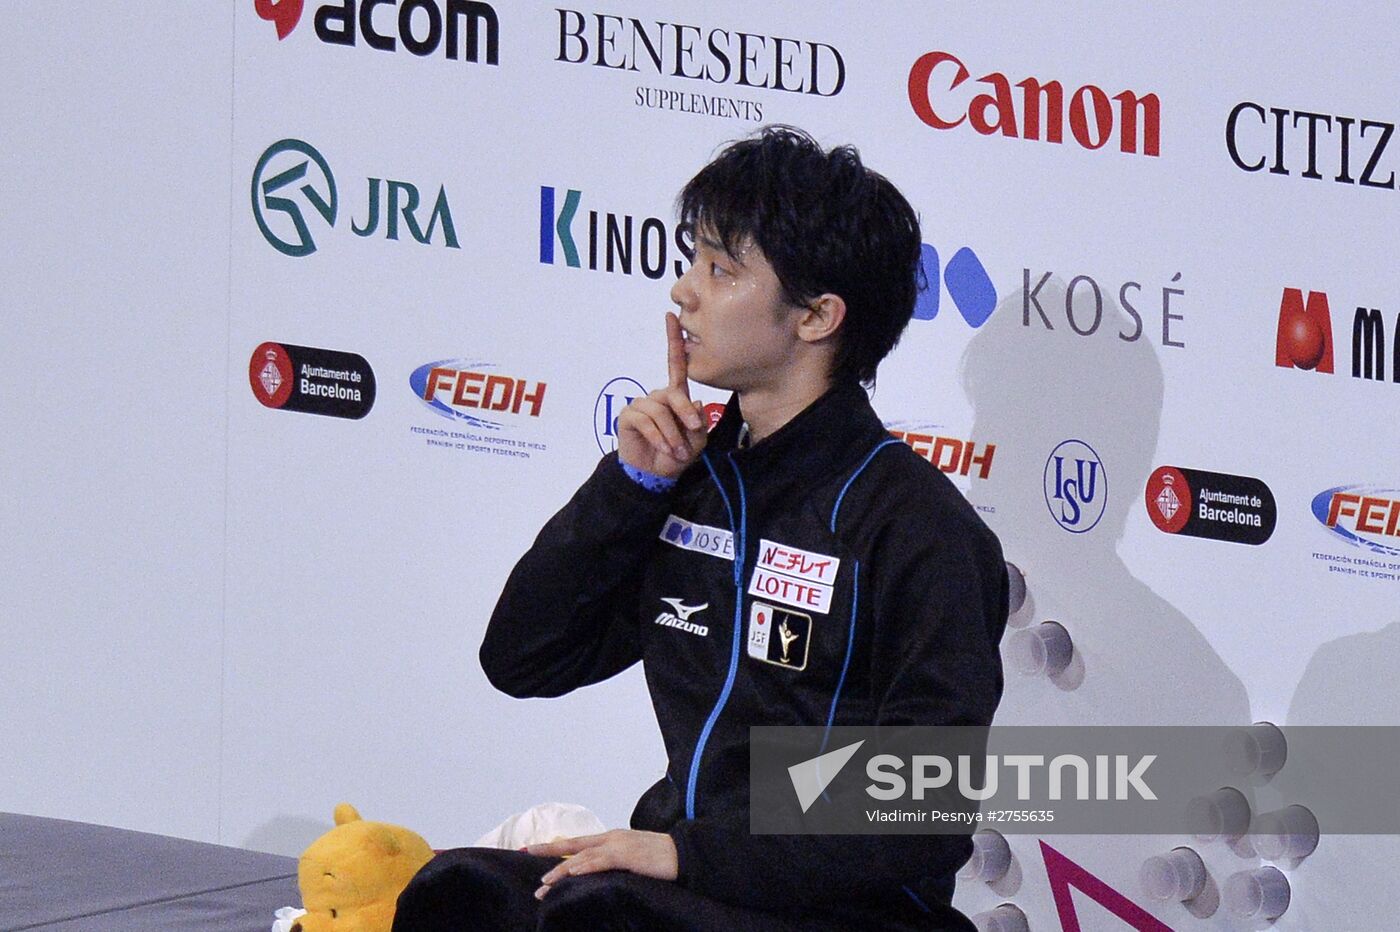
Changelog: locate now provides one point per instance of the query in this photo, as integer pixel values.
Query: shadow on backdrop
(1138, 660)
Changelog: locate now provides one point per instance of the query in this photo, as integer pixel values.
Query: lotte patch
(779, 636)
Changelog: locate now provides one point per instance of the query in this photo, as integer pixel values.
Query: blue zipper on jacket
(738, 530)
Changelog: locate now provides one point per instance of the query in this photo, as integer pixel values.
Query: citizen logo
(1351, 147)
(679, 617)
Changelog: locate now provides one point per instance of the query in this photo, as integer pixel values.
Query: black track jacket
(890, 597)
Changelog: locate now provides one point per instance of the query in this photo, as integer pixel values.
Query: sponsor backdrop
(336, 302)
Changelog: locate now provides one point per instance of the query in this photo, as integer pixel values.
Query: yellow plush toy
(351, 877)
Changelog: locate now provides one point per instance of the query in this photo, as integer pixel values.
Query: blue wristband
(649, 481)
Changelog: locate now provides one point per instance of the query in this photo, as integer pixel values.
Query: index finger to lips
(675, 354)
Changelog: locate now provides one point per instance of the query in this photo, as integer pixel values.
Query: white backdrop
(222, 618)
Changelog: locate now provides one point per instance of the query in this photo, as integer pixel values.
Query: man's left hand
(651, 854)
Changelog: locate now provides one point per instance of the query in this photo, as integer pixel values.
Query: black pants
(490, 890)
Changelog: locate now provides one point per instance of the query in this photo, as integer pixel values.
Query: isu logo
(1076, 486)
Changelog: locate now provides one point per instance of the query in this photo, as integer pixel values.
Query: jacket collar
(822, 438)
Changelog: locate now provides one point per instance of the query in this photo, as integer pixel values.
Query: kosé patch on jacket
(715, 541)
(779, 636)
(794, 577)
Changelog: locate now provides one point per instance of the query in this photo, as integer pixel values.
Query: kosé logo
(294, 198)
(967, 282)
(1216, 506)
(311, 380)
(463, 29)
(1076, 486)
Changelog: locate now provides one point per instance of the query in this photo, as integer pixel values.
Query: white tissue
(285, 917)
(541, 823)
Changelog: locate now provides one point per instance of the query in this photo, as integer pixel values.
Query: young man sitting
(890, 590)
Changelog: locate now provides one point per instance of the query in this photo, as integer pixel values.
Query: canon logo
(1094, 121)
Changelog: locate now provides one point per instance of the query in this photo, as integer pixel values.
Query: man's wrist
(647, 480)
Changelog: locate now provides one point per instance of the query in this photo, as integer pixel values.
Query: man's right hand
(664, 432)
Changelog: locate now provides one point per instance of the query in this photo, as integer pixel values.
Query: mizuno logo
(679, 617)
(685, 611)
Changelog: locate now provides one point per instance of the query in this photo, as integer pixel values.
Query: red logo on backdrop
(1169, 499)
(1304, 331)
(935, 77)
(285, 14)
(270, 374)
(950, 454)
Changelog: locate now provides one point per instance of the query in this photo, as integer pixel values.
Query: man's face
(740, 330)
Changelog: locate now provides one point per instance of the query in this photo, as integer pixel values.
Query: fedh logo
(967, 282)
(615, 242)
(420, 26)
(731, 61)
(491, 412)
(1364, 516)
(939, 101)
(1217, 506)
(1305, 338)
(616, 395)
(1076, 486)
(285, 170)
(952, 455)
(311, 380)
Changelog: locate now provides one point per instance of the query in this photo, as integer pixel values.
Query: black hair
(826, 224)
